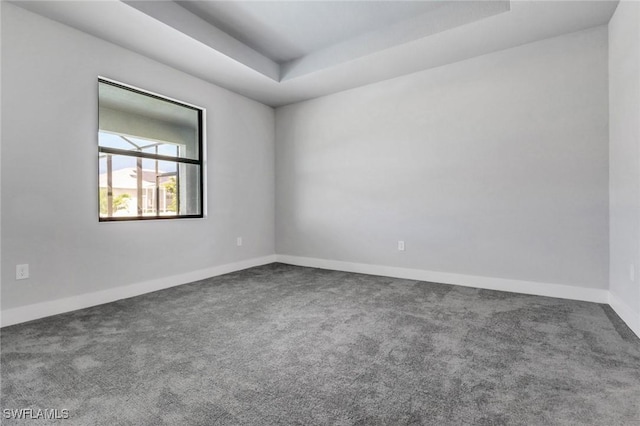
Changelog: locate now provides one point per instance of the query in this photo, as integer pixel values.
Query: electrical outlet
(22, 272)
(401, 245)
(239, 241)
(632, 272)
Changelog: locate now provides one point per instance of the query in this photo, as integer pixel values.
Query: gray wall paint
(624, 139)
(49, 169)
(496, 166)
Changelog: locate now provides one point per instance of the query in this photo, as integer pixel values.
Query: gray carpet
(280, 344)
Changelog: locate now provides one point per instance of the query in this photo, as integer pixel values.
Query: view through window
(150, 156)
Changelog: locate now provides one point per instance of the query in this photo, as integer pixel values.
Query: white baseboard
(516, 286)
(67, 304)
(631, 318)
(54, 307)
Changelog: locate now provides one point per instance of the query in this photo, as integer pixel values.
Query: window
(150, 155)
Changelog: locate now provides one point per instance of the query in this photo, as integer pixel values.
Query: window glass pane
(143, 120)
(188, 189)
(132, 186)
(117, 186)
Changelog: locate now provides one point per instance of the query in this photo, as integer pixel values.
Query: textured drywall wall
(50, 167)
(495, 166)
(624, 154)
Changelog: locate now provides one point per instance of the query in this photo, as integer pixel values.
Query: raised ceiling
(285, 40)
(282, 52)
(288, 30)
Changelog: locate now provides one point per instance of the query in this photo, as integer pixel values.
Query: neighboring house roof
(127, 178)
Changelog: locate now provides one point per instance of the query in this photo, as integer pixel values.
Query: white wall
(494, 167)
(624, 153)
(49, 171)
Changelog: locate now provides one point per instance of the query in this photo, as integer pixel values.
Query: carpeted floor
(281, 344)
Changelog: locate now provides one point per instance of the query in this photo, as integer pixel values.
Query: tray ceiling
(280, 52)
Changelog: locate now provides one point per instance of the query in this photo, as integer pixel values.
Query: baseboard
(516, 286)
(59, 306)
(624, 311)
(67, 304)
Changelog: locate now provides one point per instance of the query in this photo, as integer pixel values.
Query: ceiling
(280, 52)
(287, 30)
